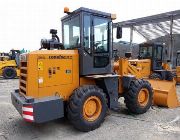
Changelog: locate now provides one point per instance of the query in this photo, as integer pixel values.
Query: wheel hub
(92, 108)
(9, 73)
(143, 97)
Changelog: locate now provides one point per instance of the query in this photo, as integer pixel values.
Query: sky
(24, 23)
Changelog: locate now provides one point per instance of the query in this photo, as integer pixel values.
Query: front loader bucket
(164, 93)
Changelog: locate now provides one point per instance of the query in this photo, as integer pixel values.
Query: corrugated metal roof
(155, 26)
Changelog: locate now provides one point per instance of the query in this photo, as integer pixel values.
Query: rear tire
(87, 108)
(9, 73)
(156, 76)
(139, 97)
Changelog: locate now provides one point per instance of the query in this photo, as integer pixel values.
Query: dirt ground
(156, 124)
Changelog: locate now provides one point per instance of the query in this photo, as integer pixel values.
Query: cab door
(100, 43)
(157, 57)
(95, 57)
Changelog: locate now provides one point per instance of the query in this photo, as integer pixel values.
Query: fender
(126, 80)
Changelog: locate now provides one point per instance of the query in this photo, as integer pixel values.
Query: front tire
(139, 97)
(9, 73)
(87, 108)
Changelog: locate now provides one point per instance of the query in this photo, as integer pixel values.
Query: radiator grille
(23, 77)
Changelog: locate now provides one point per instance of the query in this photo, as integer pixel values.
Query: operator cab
(152, 51)
(14, 55)
(90, 32)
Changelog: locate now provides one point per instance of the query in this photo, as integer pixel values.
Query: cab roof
(83, 9)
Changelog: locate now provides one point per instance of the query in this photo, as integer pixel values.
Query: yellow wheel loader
(150, 62)
(3, 54)
(9, 65)
(77, 78)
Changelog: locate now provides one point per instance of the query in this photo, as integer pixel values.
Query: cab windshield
(145, 52)
(71, 29)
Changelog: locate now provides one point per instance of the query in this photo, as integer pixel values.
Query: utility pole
(171, 41)
(131, 38)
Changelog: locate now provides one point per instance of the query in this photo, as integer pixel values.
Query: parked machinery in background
(150, 62)
(9, 64)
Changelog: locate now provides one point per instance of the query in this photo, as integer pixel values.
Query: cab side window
(72, 33)
(158, 53)
(100, 35)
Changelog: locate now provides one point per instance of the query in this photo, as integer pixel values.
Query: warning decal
(40, 65)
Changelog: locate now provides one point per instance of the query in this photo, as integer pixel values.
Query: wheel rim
(143, 97)
(9, 73)
(92, 108)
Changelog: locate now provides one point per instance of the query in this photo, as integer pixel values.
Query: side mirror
(119, 32)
